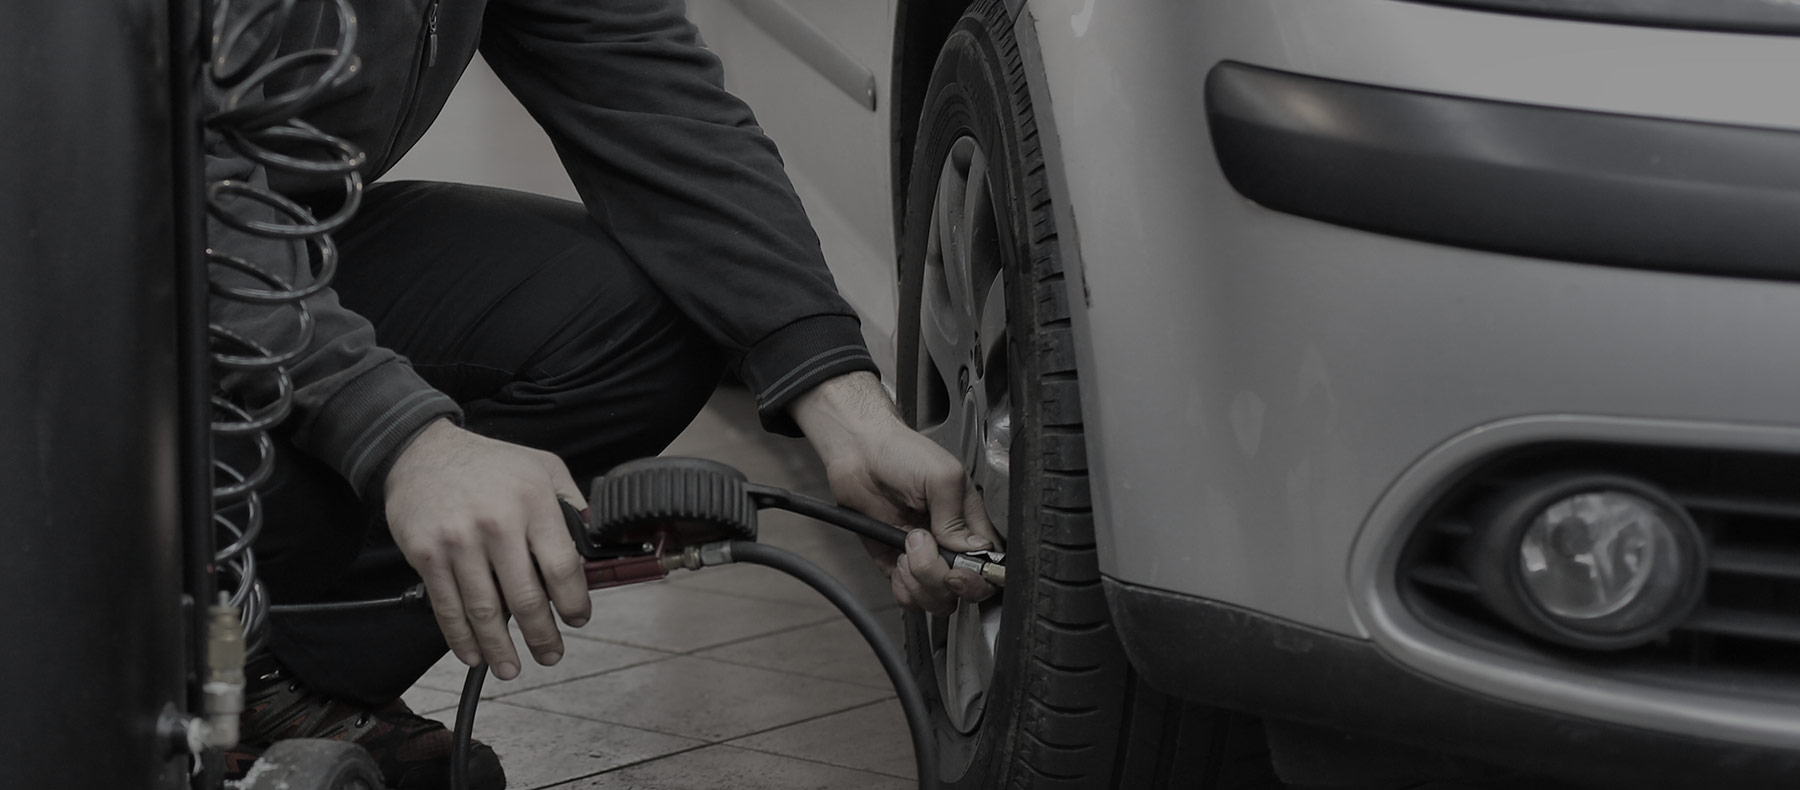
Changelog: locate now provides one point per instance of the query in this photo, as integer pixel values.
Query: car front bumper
(1272, 384)
(1241, 659)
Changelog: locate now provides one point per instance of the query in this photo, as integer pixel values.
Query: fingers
(910, 592)
(563, 483)
(447, 607)
(951, 501)
(925, 576)
(486, 615)
(902, 584)
(525, 596)
(883, 555)
(561, 567)
(555, 553)
(921, 579)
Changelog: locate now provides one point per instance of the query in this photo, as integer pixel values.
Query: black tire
(313, 764)
(1064, 709)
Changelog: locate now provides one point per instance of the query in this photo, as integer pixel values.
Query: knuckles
(483, 611)
(561, 566)
(947, 477)
(529, 604)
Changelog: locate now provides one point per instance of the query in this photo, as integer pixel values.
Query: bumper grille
(1745, 634)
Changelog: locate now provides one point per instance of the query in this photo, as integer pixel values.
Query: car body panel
(1253, 381)
(835, 148)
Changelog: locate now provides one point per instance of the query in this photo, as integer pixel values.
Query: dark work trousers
(529, 315)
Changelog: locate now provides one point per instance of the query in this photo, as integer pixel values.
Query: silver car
(1372, 392)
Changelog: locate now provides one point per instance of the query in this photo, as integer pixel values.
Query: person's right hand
(466, 511)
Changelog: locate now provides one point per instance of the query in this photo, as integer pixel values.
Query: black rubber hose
(912, 701)
(465, 726)
(413, 595)
(338, 606)
(885, 534)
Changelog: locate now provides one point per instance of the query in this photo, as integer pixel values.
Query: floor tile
(726, 768)
(698, 698)
(680, 619)
(863, 738)
(750, 581)
(729, 420)
(834, 651)
(837, 552)
(581, 657)
(539, 748)
(728, 430)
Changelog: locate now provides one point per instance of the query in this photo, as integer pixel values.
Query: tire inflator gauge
(657, 515)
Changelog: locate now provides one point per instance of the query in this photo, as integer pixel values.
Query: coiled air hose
(266, 130)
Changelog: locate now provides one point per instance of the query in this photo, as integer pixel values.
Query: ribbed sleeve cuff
(797, 358)
(366, 424)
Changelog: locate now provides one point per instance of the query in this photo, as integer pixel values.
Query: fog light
(1594, 561)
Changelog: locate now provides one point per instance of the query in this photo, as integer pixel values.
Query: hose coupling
(991, 572)
(222, 695)
(693, 558)
(687, 559)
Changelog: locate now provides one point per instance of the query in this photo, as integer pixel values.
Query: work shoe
(412, 751)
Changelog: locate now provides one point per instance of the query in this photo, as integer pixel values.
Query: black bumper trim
(1536, 181)
(1732, 16)
(1223, 655)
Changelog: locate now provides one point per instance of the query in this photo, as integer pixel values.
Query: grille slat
(1752, 625)
(1773, 563)
(1740, 506)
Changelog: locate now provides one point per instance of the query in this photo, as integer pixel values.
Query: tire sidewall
(968, 97)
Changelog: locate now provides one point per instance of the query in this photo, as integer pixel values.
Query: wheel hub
(965, 397)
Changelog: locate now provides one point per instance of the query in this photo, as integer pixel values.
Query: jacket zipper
(431, 27)
(418, 77)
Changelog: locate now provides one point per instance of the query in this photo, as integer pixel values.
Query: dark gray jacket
(661, 155)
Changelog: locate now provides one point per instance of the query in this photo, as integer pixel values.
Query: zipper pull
(431, 45)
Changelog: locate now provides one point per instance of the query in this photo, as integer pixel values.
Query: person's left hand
(880, 467)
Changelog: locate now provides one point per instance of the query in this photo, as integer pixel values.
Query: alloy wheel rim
(965, 399)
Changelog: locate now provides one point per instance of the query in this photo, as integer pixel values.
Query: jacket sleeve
(356, 404)
(679, 172)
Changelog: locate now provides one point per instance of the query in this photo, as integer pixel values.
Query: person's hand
(466, 511)
(887, 471)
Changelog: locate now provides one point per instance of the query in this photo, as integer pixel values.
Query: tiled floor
(733, 677)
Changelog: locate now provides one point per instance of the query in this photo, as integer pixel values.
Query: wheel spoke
(970, 663)
(943, 337)
(960, 431)
(992, 332)
(992, 470)
(952, 221)
(979, 238)
(946, 434)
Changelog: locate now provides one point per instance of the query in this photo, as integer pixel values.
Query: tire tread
(1084, 720)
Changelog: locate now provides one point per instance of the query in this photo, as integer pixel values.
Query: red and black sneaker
(412, 751)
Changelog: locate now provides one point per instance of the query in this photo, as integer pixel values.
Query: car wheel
(1030, 689)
